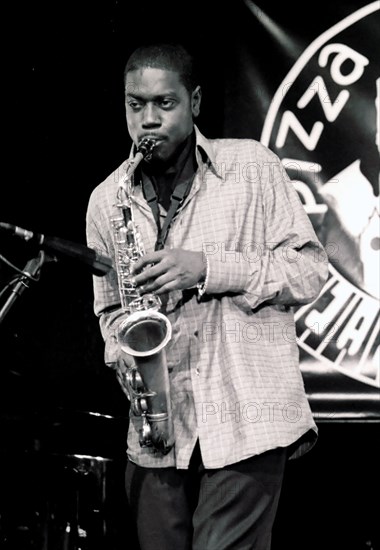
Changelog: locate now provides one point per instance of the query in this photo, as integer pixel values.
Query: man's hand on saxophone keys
(169, 269)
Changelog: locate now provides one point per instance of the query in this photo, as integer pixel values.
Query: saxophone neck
(126, 184)
(125, 192)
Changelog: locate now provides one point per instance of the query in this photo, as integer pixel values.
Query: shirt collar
(203, 145)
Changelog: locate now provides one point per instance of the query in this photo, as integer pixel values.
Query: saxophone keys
(136, 381)
(139, 405)
(145, 433)
(143, 406)
(135, 404)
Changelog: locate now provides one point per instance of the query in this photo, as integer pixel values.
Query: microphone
(98, 264)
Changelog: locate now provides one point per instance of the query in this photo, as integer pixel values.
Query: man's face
(159, 106)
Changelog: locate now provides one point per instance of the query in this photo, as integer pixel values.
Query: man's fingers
(151, 258)
(151, 272)
(158, 283)
(180, 269)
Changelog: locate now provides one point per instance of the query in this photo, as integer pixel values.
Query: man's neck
(165, 177)
(174, 164)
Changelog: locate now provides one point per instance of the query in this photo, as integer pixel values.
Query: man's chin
(161, 155)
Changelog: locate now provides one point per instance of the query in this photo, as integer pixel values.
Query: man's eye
(134, 105)
(167, 103)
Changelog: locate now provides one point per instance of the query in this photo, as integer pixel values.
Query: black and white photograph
(190, 276)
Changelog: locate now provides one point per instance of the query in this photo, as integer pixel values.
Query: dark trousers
(232, 508)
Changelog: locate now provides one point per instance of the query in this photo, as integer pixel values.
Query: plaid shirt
(233, 357)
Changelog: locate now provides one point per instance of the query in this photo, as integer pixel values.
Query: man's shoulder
(110, 183)
(242, 147)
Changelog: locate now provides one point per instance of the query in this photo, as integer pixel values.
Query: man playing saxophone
(229, 250)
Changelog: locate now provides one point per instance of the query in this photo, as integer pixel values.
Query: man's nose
(151, 116)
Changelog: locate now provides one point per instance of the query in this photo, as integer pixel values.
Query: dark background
(64, 131)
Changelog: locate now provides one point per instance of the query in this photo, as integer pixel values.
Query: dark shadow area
(50, 497)
(329, 497)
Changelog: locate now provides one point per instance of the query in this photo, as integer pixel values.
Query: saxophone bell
(144, 332)
(144, 335)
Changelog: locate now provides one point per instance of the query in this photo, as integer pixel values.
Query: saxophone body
(143, 330)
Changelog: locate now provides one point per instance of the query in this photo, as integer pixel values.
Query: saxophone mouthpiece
(146, 146)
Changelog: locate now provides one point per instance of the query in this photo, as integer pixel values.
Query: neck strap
(178, 196)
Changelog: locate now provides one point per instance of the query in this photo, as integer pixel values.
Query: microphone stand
(31, 269)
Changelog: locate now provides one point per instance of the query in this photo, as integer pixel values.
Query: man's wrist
(202, 283)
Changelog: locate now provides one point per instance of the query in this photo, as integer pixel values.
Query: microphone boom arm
(61, 248)
(30, 271)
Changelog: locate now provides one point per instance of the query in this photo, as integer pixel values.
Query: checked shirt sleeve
(289, 265)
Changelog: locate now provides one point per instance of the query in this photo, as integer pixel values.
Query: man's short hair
(169, 56)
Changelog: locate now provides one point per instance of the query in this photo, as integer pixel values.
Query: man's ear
(196, 97)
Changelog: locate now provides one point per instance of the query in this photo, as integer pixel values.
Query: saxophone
(143, 330)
